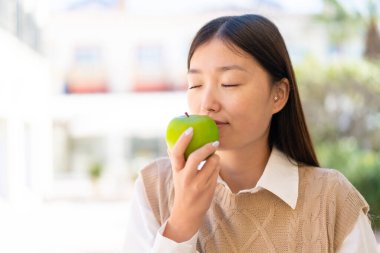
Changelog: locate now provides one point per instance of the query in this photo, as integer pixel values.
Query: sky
(165, 6)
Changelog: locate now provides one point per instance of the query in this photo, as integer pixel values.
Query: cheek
(192, 103)
(252, 110)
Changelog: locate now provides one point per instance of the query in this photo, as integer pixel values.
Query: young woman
(261, 188)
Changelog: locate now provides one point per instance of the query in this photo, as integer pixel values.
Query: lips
(220, 123)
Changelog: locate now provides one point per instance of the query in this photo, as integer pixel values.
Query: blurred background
(87, 88)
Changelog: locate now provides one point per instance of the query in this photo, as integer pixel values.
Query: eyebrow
(219, 69)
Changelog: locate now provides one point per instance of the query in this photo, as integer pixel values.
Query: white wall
(24, 89)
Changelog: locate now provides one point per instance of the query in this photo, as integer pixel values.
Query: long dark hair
(259, 37)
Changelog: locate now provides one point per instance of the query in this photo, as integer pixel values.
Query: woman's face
(234, 90)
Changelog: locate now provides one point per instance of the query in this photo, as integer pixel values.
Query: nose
(210, 101)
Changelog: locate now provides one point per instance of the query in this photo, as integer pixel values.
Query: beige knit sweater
(327, 209)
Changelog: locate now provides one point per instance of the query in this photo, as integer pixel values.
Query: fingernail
(189, 131)
(200, 166)
(215, 144)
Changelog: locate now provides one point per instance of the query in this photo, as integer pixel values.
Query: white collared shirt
(280, 177)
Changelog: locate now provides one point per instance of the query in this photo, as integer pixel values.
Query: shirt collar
(280, 177)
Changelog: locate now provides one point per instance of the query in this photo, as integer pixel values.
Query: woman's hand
(194, 189)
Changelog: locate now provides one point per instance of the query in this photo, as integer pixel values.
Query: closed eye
(194, 86)
(229, 85)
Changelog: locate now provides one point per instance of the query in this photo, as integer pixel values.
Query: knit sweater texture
(326, 211)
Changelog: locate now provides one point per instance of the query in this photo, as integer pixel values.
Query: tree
(343, 22)
(372, 44)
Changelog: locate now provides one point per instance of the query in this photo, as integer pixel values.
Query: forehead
(216, 53)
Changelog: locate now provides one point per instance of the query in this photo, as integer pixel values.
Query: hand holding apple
(204, 127)
(194, 188)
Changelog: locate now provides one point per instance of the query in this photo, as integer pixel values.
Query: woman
(261, 188)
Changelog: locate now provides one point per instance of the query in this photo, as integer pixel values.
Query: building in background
(25, 132)
(19, 18)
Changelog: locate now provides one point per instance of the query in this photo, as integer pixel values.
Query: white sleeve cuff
(164, 244)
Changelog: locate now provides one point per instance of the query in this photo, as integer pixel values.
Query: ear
(280, 94)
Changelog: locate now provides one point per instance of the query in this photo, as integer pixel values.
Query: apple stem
(187, 115)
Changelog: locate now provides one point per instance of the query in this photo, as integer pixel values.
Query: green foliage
(342, 106)
(95, 171)
(341, 100)
(342, 21)
(339, 21)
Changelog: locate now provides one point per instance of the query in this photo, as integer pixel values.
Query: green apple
(204, 131)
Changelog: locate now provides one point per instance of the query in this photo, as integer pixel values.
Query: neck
(241, 169)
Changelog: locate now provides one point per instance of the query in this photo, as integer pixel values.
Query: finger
(213, 179)
(177, 154)
(199, 155)
(208, 170)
